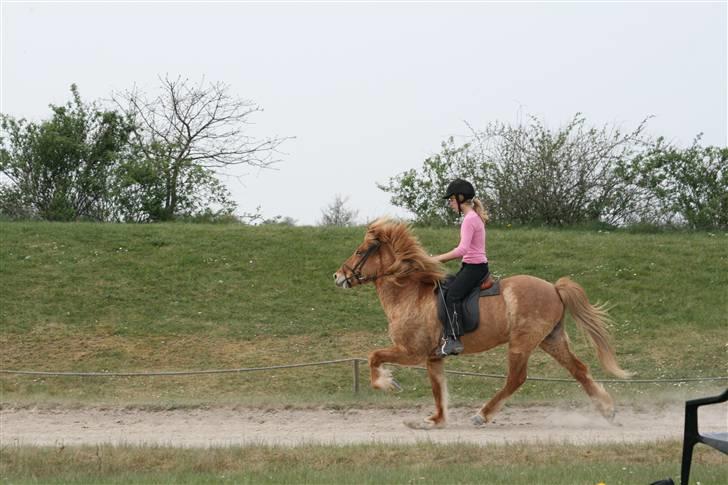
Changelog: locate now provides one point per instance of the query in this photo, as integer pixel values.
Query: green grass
(94, 297)
(361, 464)
(228, 280)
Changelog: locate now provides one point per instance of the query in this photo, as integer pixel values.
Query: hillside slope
(170, 296)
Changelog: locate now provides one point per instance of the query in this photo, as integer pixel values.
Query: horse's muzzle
(341, 280)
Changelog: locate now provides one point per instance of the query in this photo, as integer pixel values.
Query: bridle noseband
(356, 270)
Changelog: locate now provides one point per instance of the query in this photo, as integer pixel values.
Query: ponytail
(480, 210)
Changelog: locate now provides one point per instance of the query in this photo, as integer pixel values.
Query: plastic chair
(692, 435)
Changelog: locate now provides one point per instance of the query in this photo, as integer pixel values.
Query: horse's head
(388, 250)
(364, 265)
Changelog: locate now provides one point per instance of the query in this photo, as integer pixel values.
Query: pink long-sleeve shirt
(472, 240)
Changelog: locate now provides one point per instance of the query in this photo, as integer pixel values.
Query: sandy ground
(234, 426)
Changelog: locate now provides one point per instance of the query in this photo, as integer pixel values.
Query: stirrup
(449, 346)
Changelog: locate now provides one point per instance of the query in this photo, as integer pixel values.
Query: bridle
(363, 257)
(356, 270)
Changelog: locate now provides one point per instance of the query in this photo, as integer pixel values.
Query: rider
(461, 198)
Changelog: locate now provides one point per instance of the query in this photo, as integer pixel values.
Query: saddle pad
(471, 307)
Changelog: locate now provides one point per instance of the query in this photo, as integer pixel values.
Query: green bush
(529, 174)
(684, 186)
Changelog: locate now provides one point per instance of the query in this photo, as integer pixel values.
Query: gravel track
(291, 427)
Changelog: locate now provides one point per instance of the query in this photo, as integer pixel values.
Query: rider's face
(453, 203)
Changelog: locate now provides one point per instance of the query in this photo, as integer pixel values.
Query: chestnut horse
(528, 313)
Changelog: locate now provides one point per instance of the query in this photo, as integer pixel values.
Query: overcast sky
(371, 89)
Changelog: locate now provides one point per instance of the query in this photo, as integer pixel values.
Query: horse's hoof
(477, 420)
(424, 424)
(611, 418)
(609, 415)
(386, 382)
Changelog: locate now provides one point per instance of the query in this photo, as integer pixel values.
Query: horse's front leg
(436, 372)
(382, 378)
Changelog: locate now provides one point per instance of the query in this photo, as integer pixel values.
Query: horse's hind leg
(517, 371)
(556, 344)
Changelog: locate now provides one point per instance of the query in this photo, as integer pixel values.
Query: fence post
(356, 376)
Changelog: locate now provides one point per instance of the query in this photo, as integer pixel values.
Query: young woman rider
(461, 198)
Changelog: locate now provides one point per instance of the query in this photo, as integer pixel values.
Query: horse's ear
(375, 229)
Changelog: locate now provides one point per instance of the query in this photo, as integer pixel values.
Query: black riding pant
(469, 276)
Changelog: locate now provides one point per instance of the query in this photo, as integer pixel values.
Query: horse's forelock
(380, 229)
(389, 231)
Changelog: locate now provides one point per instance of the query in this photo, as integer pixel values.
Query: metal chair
(692, 435)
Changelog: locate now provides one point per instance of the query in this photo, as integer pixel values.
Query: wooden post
(356, 376)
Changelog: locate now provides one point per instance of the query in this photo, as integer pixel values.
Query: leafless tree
(184, 135)
(336, 213)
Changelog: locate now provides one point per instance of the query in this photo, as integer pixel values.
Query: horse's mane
(411, 260)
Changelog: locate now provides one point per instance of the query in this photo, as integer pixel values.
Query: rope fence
(355, 372)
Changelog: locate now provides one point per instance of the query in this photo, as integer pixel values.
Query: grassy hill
(94, 297)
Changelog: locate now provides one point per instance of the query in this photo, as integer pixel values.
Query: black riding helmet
(460, 187)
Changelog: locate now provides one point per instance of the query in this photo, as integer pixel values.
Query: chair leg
(687, 458)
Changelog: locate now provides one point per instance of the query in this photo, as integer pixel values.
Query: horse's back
(530, 297)
(529, 284)
(526, 308)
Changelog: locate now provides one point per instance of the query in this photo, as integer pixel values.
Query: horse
(528, 313)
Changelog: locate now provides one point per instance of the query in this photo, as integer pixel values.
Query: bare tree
(182, 137)
(336, 213)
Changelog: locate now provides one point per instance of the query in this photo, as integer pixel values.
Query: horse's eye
(358, 253)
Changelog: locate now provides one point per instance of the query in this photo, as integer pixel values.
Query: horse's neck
(399, 301)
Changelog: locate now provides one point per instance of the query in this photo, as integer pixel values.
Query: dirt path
(228, 426)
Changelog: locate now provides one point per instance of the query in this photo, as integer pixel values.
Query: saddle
(471, 308)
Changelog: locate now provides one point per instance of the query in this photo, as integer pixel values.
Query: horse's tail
(593, 320)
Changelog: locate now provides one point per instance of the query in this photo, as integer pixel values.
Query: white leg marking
(384, 381)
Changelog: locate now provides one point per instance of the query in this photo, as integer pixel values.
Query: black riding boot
(450, 343)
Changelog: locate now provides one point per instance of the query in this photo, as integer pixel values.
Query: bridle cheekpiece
(363, 257)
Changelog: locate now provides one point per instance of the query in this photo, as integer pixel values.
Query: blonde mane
(411, 261)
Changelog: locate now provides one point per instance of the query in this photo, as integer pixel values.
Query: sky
(371, 89)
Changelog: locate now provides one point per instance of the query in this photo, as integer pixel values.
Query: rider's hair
(479, 209)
